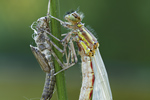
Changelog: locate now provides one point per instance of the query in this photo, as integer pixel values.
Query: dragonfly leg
(65, 24)
(64, 41)
(64, 66)
(55, 56)
(72, 53)
(64, 34)
(51, 42)
(52, 35)
(74, 56)
(60, 63)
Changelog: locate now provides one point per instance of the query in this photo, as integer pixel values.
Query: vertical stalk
(56, 31)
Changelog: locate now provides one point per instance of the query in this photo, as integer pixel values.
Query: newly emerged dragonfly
(91, 59)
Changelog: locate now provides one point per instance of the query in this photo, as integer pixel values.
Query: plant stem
(56, 31)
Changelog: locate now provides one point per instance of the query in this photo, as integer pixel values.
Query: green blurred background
(121, 26)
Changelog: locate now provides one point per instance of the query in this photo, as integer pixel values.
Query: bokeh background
(121, 26)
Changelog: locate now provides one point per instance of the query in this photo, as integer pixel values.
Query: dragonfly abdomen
(87, 78)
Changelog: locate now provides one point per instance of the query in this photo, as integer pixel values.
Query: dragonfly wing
(97, 93)
(101, 85)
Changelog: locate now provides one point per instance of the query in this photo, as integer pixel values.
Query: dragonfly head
(74, 17)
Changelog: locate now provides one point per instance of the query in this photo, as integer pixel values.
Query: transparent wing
(101, 90)
(97, 89)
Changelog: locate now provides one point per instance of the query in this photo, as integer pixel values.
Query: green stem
(56, 31)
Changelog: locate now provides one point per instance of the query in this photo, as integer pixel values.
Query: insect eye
(67, 13)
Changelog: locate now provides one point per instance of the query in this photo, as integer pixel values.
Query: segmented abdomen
(87, 78)
(49, 85)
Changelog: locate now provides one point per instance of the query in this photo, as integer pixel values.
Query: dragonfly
(95, 78)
